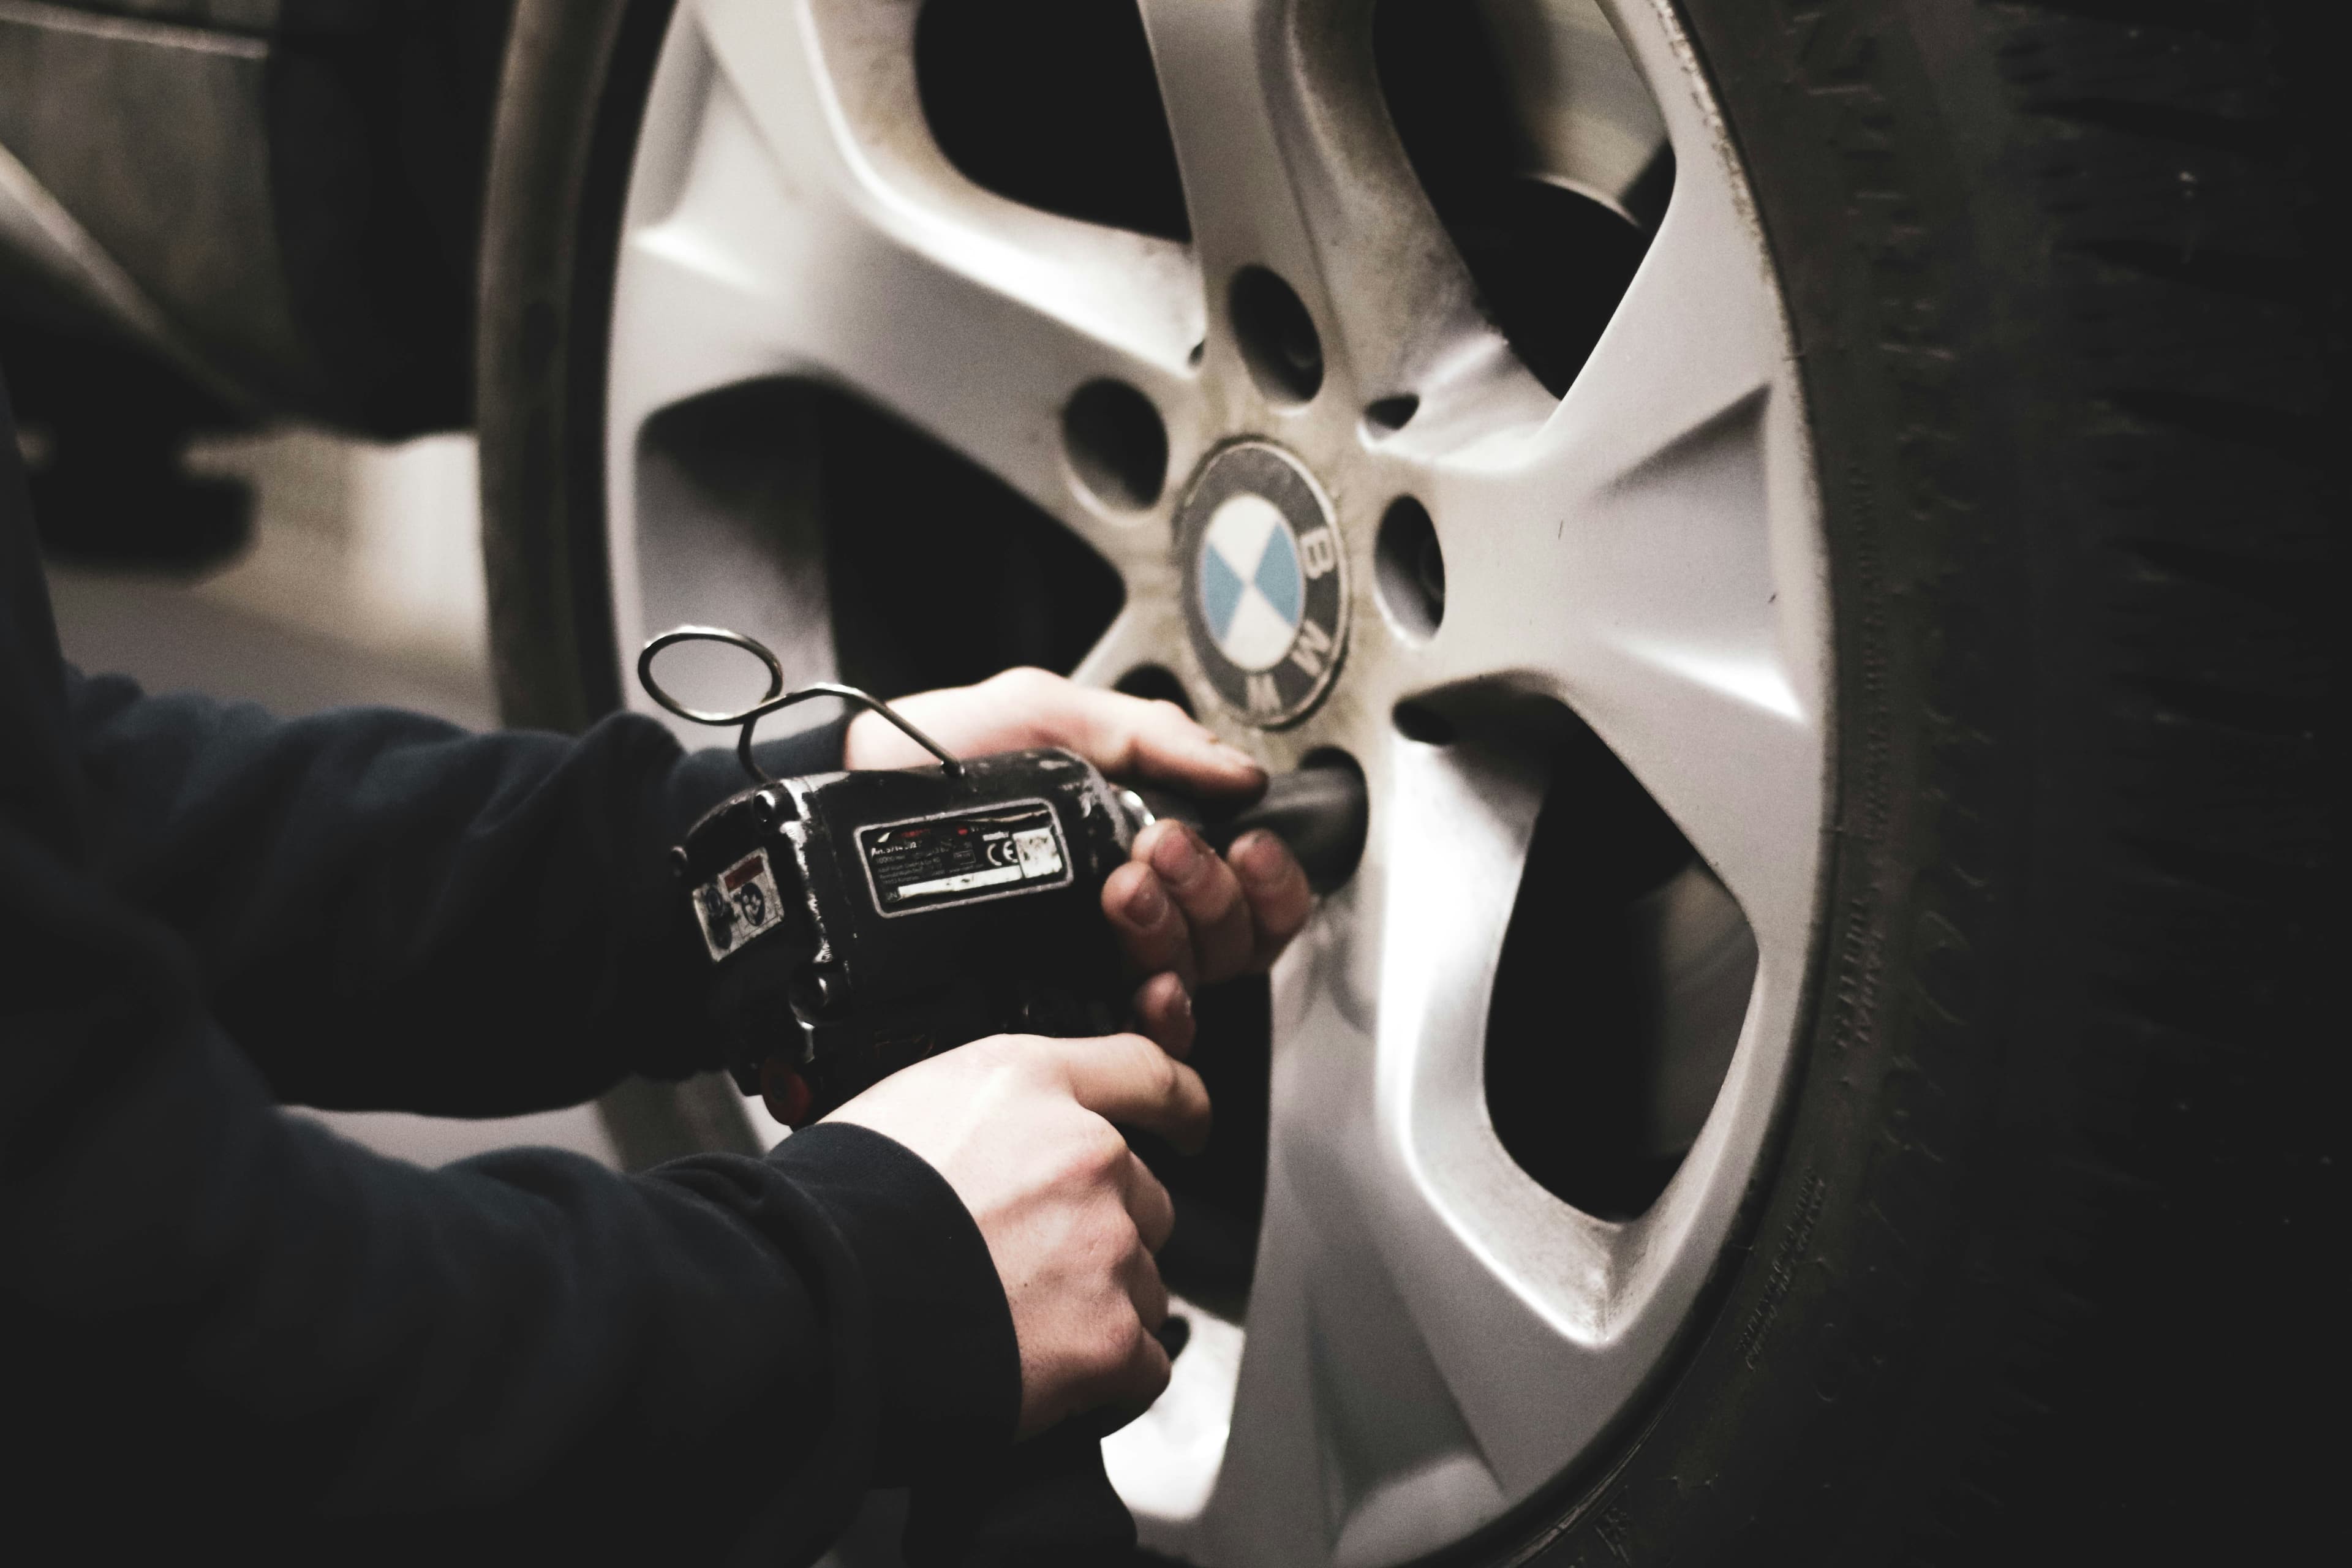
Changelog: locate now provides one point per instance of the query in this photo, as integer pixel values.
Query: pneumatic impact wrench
(858, 922)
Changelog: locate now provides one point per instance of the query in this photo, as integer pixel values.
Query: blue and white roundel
(1266, 609)
(1252, 592)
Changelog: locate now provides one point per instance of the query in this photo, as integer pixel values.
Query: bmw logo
(1267, 600)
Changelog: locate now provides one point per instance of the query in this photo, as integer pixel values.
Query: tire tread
(2094, 525)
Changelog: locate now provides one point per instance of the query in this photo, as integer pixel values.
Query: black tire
(576, 79)
(2072, 348)
(2034, 1272)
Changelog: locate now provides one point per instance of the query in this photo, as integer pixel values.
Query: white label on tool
(738, 904)
(995, 876)
(989, 852)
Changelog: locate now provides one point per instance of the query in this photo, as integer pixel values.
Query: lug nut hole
(1418, 722)
(1278, 337)
(1410, 568)
(1389, 414)
(1117, 444)
(1155, 683)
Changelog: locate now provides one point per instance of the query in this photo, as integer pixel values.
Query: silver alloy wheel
(1432, 1336)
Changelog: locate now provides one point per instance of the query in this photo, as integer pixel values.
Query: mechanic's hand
(1185, 917)
(1022, 1129)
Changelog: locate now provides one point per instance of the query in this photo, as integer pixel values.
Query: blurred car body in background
(214, 211)
(236, 276)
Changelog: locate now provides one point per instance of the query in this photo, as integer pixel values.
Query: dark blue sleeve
(227, 1327)
(388, 912)
(227, 1323)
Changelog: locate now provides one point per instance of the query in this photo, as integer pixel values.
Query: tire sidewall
(562, 150)
(1850, 1393)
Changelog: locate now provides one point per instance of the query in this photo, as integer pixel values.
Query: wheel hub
(1265, 600)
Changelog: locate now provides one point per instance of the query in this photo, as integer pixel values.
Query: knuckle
(1111, 1236)
(997, 1055)
(1093, 1158)
(1102, 1152)
(1045, 1079)
(1102, 1344)
(1154, 1068)
(1025, 678)
(1023, 1063)
(1166, 1079)
(1122, 1342)
(1218, 899)
(1166, 1002)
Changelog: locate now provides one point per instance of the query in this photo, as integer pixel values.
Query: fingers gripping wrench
(858, 922)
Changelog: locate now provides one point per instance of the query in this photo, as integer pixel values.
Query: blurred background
(240, 356)
(354, 576)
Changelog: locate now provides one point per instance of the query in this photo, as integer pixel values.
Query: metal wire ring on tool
(776, 698)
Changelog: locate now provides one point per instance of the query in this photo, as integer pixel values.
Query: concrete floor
(363, 584)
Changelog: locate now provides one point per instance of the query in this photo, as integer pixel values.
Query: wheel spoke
(1288, 162)
(1429, 1329)
(1349, 1391)
(802, 230)
(1646, 557)
(1149, 630)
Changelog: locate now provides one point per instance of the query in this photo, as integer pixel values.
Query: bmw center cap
(1265, 598)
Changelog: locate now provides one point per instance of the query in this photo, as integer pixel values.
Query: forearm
(210, 1297)
(391, 912)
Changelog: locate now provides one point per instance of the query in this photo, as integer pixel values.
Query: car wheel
(1808, 517)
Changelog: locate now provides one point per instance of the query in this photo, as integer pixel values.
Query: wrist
(948, 1365)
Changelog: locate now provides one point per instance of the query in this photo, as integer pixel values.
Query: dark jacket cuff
(675, 960)
(700, 780)
(950, 1366)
